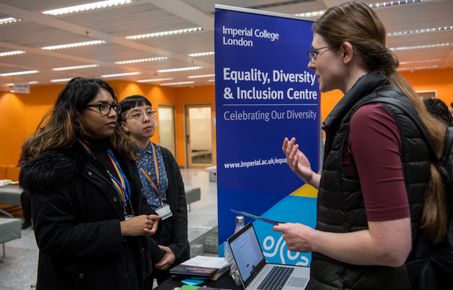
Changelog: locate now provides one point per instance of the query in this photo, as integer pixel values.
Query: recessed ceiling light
(435, 45)
(86, 7)
(311, 14)
(11, 52)
(373, 5)
(164, 33)
(60, 80)
(121, 74)
(154, 80)
(198, 54)
(187, 68)
(211, 81)
(418, 68)
(72, 45)
(9, 20)
(33, 82)
(421, 30)
(18, 73)
(201, 76)
(395, 3)
(419, 61)
(141, 60)
(178, 83)
(75, 67)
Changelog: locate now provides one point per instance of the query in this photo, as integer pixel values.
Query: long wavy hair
(61, 126)
(358, 24)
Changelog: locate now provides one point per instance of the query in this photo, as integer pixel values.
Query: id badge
(164, 212)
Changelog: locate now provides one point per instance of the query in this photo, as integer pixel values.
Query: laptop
(255, 273)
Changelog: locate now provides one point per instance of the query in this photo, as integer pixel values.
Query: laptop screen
(247, 253)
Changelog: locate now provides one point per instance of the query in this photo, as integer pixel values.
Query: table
(10, 194)
(223, 282)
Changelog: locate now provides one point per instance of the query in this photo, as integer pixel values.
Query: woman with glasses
(379, 195)
(88, 215)
(162, 185)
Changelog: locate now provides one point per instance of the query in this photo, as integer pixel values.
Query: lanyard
(156, 167)
(122, 185)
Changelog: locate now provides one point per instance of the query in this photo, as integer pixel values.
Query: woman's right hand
(297, 160)
(142, 225)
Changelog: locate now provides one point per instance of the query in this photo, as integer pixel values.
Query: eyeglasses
(105, 108)
(140, 115)
(314, 52)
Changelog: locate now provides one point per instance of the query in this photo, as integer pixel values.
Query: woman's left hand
(168, 259)
(298, 237)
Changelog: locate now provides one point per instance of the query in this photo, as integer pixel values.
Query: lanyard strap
(156, 167)
(121, 185)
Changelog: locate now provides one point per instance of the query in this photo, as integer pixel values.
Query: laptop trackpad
(297, 282)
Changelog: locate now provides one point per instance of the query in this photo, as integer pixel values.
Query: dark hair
(355, 22)
(60, 127)
(439, 109)
(132, 102)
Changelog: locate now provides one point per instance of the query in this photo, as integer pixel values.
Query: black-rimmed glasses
(139, 114)
(314, 52)
(105, 109)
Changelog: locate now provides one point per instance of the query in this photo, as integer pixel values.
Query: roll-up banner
(264, 93)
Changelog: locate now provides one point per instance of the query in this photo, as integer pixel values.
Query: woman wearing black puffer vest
(379, 195)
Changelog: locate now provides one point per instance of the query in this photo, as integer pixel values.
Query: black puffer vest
(340, 202)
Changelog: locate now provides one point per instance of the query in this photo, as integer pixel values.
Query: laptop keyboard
(276, 278)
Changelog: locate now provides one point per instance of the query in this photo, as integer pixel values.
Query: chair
(10, 229)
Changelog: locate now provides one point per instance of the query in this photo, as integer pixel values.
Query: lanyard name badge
(121, 185)
(164, 210)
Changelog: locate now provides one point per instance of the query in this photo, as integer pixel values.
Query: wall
(20, 114)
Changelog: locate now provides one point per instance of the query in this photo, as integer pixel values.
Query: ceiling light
(121, 74)
(72, 45)
(164, 33)
(419, 61)
(33, 82)
(422, 30)
(417, 68)
(12, 52)
(311, 14)
(178, 83)
(420, 46)
(9, 20)
(187, 68)
(201, 76)
(198, 54)
(374, 5)
(141, 60)
(18, 73)
(211, 81)
(60, 80)
(154, 80)
(75, 67)
(395, 3)
(86, 7)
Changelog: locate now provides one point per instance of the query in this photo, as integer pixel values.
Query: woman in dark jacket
(162, 184)
(85, 192)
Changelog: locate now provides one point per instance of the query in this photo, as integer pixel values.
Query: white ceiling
(146, 16)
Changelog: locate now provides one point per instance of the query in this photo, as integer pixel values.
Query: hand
(168, 259)
(298, 237)
(142, 225)
(297, 160)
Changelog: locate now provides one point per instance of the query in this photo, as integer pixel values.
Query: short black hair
(132, 102)
(438, 109)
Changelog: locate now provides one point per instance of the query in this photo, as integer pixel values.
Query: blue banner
(264, 93)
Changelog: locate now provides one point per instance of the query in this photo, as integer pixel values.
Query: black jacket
(340, 200)
(76, 214)
(173, 231)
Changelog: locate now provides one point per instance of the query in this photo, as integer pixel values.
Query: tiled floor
(18, 268)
